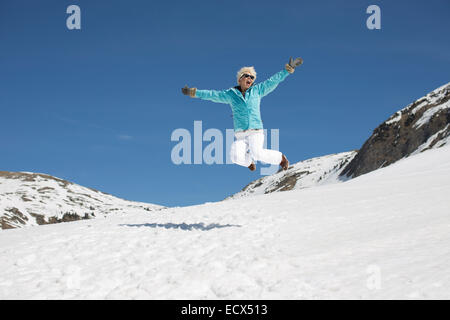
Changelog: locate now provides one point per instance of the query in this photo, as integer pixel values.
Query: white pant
(253, 142)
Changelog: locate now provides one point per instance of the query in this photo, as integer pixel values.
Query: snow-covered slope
(303, 174)
(385, 234)
(29, 199)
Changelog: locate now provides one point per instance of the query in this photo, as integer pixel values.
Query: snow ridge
(433, 98)
(30, 199)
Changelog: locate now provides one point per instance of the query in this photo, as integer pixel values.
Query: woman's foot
(284, 162)
(252, 167)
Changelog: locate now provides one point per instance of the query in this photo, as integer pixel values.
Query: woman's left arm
(270, 84)
(267, 86)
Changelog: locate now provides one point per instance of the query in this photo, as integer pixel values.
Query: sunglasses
(245, 75)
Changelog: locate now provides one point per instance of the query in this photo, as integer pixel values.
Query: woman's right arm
(211, 95)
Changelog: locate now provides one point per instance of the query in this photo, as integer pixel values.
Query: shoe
(252, 167)
(284, 162)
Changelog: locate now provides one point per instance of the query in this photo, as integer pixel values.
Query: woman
(244, 100)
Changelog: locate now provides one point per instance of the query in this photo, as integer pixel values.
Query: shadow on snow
(183, 226)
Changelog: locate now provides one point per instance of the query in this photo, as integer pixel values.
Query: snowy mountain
(33, 199)
(28, 199)
(382, 235)
(304, 174)
(422, 125)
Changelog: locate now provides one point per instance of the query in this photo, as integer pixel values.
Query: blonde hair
(249, 70)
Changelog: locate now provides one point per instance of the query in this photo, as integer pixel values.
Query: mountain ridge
(422, 125)
(29, 199)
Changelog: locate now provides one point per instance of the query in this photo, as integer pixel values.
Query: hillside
(303, 174)
(30, 199)
(382, 235)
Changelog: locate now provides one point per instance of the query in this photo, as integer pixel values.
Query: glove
(189, 91)
(290, 67)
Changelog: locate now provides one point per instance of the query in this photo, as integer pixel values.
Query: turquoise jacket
(246, 110)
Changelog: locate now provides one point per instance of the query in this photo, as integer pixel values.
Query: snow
(434, 97)
(430, 140)
(308, 173)
(427, 115)
(382, 235)
(394, 118)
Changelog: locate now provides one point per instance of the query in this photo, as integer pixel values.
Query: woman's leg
(256, 143)
(238, 152)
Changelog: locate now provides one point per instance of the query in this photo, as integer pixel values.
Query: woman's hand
(189, 91)
(290, 67)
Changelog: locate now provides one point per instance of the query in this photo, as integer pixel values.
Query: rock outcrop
(422, 125)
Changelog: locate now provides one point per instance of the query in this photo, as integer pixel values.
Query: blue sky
(97, 106)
